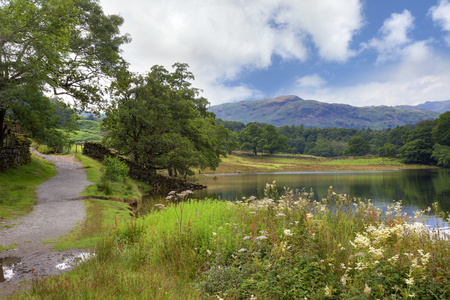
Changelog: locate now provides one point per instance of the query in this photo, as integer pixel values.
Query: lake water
(417, 189)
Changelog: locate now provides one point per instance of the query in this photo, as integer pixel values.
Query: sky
(357, 52)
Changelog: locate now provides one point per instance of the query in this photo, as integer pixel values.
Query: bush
(114, 169)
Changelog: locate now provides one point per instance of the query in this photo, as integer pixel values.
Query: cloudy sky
(359, 52)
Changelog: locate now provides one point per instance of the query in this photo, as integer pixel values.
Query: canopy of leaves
(69, 47)
(161, 122)
(357, 146)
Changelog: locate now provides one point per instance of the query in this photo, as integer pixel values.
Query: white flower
(409, 281)
(208, 252)
(367, 290)
(280, 215)
(327, 291)
(242, 250)
(287, 232)
(259, 238)
(246, 237)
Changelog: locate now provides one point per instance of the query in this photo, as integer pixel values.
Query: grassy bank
(280, 247)
(290, 163)
(18, 187)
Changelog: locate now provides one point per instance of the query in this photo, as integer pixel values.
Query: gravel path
(55, 215)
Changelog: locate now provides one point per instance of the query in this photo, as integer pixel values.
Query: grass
(242, 163)
(18, 187)
(287, 248)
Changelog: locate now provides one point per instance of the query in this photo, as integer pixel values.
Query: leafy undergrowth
(18, 187)
(279, 247)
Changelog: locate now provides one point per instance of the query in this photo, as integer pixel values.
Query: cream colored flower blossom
(327, 291)
(367, 290)
(287, 232)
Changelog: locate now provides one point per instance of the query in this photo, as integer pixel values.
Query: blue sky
(358, 52)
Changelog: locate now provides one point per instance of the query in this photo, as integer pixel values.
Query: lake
(417, 189)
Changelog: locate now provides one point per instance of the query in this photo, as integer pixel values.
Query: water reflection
(8, 267)
(417, 189)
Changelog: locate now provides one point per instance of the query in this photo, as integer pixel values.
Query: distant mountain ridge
(293, 110)
(437, 106)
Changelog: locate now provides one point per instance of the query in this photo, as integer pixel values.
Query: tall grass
(279, 247)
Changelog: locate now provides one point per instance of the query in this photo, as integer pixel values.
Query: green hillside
(292, 110)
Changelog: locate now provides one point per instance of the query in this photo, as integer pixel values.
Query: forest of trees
(427, 142)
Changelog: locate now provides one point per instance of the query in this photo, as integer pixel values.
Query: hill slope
(292, 110)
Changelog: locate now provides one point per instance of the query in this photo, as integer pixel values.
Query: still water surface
(417, 189)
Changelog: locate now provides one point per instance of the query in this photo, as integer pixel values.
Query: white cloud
(441, 15)
(393, 36)
(420, 75)
(313, 80)
(223, 39)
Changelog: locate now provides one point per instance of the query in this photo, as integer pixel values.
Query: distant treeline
(427, 142)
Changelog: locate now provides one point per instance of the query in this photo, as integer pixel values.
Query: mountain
(438, 106)
(292, 110)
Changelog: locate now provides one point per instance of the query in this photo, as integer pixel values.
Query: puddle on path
(11, 267)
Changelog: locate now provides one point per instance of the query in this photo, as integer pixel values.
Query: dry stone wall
(15, 154)
(162, 185)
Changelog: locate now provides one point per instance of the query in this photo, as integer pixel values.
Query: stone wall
(15, 154)
(162, 185)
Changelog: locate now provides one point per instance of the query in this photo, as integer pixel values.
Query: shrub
(114, 169)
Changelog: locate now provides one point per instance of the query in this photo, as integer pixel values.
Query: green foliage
(66, 46)
(418, 144)
(273, 141)
(388, 150)
(162, 123)
(114, 169)
(251, 138)
(357, 146)
(441, 132)
(441, 153)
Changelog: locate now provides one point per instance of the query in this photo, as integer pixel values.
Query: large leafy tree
(68, 47)
(357, 146)
(162, 123)
(250, 138)
(419, 143)
(273, 141)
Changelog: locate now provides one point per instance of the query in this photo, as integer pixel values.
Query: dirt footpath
(55, 215)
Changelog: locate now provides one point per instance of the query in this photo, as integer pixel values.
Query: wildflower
(287, 232)
(208, 252)
(344, 279)
(367, 290)
(214, 233)
(393, 258)
(262, 232)
(280, 215)
(409, 281)
(242, 250)
(259, 238)
(309, 216)
(246, 237)
(327, 291)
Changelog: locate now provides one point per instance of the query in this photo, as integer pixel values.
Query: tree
(159, 120)
(441, 153)
(251, 138)
(441, 132)
(272, 140)
(419, 144)
(388, 150)
(357, 146)
(66, 46)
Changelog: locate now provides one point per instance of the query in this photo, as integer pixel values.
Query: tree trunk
(254, 150)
